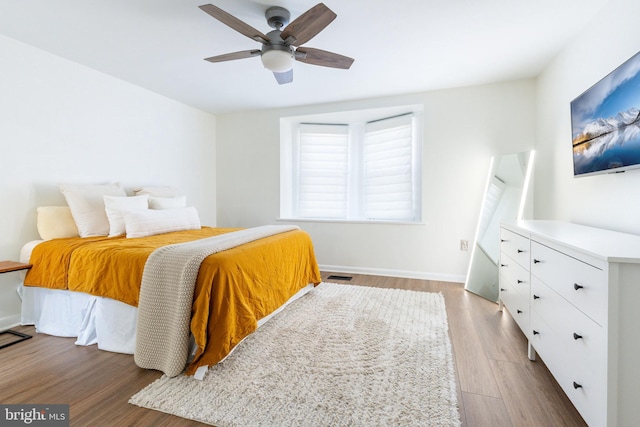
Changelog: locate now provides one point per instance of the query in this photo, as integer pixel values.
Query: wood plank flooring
(497, 385)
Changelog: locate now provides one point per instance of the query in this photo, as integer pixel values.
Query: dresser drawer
(516, 303)
(580, 336)
(515, 274)
(581, 284)
(580, 373)
(516, 246)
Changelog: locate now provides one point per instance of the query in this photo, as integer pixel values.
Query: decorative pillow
(116, 206)
(87, 206)
(167, 202)
(55, 222)
(158, 191)
(149, 222)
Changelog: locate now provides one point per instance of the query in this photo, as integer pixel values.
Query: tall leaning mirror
(505, 198)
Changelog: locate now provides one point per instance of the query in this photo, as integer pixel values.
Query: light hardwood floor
(497, 385)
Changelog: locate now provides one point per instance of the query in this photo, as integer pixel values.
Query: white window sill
(351, 221)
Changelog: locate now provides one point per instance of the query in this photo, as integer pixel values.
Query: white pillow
(167, 202)
(87, 206)
(158, 191)
(55, 222)
(115, 206)
(149, 222)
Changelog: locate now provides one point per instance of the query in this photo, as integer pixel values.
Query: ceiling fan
(281, 47)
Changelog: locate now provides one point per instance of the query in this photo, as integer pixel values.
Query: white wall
(463, 129)
(63, 122)
(607, 201)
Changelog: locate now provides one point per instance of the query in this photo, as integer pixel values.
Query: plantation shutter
(323, 165)
(389, 170)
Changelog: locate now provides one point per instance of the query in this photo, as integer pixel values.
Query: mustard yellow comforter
(235, 288)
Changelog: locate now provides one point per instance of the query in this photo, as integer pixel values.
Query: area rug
(342, 355)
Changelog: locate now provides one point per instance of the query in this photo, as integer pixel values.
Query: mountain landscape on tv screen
(608, 143)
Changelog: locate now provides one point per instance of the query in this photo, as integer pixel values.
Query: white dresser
(575, 293)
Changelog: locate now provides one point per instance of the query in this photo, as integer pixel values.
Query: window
(388, 165)
(363, 169)
(322, 171)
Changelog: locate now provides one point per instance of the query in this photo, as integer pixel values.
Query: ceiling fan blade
(307, 25)
(235, 55)
(323, 58)
(234, 23)
(284, 78)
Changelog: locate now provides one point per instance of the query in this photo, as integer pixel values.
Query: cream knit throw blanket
(166, 296)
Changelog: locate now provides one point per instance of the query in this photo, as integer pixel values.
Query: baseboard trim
(9, 322)
(456, 278)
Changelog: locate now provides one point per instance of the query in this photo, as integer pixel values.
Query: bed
(89, 287)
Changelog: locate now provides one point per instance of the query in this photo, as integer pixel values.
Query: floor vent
(334, 277)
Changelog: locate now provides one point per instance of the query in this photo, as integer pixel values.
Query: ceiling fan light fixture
(278, 61)
(284, 45)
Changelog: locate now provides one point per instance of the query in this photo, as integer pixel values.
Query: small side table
(6, 267)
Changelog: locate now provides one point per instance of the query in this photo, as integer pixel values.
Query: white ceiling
(400, 46)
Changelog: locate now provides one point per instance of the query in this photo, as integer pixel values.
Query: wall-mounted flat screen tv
(605, 123)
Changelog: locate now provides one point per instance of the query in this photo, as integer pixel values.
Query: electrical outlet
(464, 245)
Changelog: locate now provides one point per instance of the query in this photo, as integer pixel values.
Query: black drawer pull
(503, 265)
(535, 296)
(535, 261)
(520, 251)
(576, 385)
(503, 290)
(519, 311)
(577, 287)
(520, 281)
(576, 336)
(535, 332)
(502, 240)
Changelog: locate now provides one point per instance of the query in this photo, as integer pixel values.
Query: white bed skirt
(92, 320)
